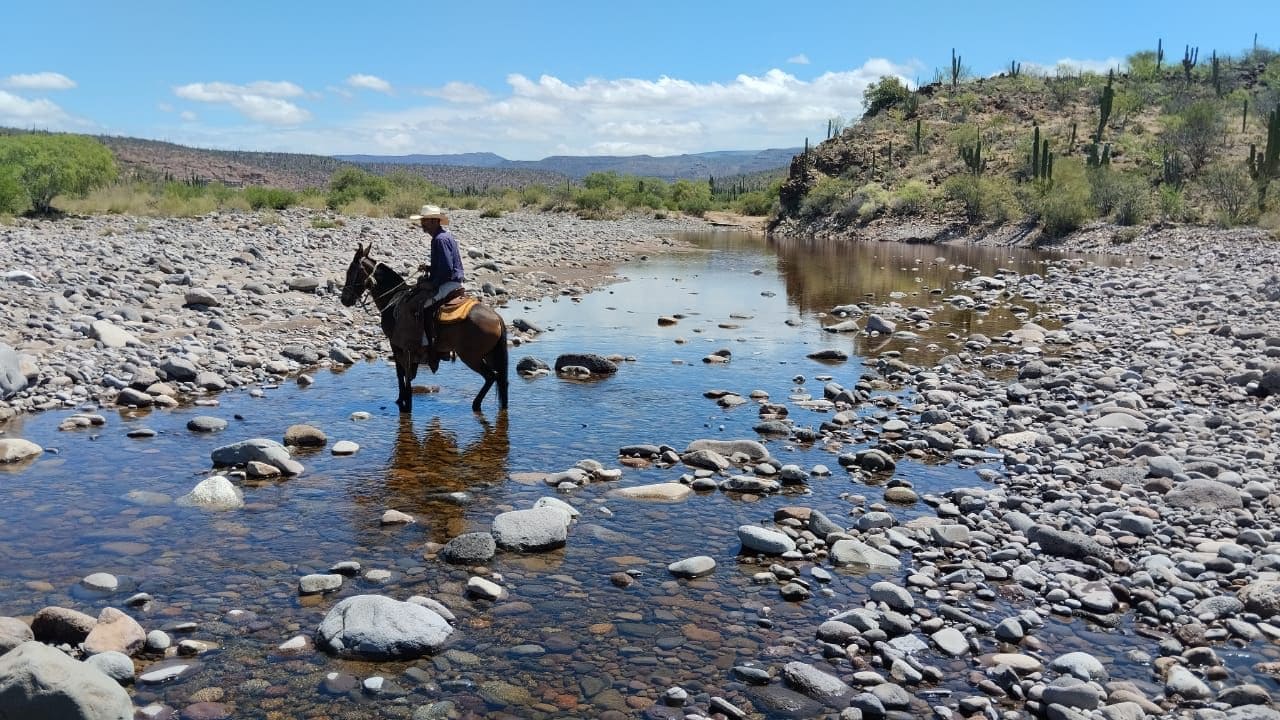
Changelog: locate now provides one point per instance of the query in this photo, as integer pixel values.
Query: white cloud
(188, 116)
(40, 81)
(260, 101)
(164, 107)
(548, 115)
(459, 92)
(800, 59)
(369, 82)
(16, 111)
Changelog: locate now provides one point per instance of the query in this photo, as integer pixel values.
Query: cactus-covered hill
(956, 158)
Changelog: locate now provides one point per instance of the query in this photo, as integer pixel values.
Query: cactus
(1266, 165)
(1035, 152)
(918, 147)
(955, 69)
(1072, 142)
(973, 157)
(1190, 57)
(1108, 96)
(1159, 53)
(1041, 158)
(1172, 169)
(1217, 78)
(1096, 161)
(1015, 68)
(1244, 114)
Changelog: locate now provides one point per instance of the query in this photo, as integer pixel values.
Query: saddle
(412, 322)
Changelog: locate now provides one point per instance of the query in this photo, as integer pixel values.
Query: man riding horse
(445, 271)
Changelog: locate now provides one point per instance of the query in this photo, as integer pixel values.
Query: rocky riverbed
(165, 309)
(1112, 551)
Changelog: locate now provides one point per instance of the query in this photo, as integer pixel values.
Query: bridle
(368, 286)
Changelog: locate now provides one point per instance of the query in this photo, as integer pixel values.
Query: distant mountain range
(722, 163)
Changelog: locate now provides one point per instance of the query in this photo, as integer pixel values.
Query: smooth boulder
(38, 682)
(532, 530)
(375, 627)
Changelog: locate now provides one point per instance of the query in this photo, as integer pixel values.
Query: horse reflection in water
(428, 475)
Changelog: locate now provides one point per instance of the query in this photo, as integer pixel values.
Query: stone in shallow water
(693, 567)
(319, 583)
(41, 682)
(657, 491)
(104, 582)
(345, 447)
(532, 530)
(378, 628)
(469, 549)
(215, 493)
(763, 540)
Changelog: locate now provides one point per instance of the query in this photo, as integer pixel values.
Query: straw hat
(431, 211)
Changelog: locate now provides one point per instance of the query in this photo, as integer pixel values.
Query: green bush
(350, 183)
(1173, 206)
(867, 202)
(1195, 130)
(46, 166)
(1065, 204)
(1232, 192)
(757, 202)
(966, 190)
(1113, 191)
(999, 204)
(691, 197)
(272, 198)
(591, 199)
(825, 197)
(912, 198)
(886, 93)
(13, 197)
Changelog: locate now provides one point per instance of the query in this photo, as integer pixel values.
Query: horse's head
(359, 275)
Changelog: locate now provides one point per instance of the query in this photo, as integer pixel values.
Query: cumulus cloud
(262, 101)
(459, 92)
(39, 81)
(369, 82)
(800, 59)
(17, 111)
(547, 115)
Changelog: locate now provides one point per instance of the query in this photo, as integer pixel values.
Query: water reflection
(425, 472)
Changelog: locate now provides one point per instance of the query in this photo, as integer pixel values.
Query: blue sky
(531, 79)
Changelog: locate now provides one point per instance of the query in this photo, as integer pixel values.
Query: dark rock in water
(773, 427)
(530, 365)
(829, 354)
(597, 364)
(469, 549)
(525, 326)
(776, 701)
(301, 354)
(1065, 543)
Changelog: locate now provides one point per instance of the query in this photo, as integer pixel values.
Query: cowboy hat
(431, 211)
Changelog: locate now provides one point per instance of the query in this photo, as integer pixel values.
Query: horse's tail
(501, 359)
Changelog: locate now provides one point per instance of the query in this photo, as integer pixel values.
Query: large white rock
(670, 491)
(854, 552)
(379, 628)
(14, 450)
(111, 335)
(38, 682)
(764, 540)
(543, 528)
(215, 493)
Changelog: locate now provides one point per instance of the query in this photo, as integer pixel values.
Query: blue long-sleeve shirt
(446, 260)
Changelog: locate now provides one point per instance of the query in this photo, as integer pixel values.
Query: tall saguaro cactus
(972, 156)
(1265, 166)
(1216, 76)
(1190, 57)
(955, 69)
(1104, 105)
(919, 150)
(1159, 53)
(1041, 159)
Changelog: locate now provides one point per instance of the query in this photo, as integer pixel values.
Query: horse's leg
(497, 360)
(404, 396)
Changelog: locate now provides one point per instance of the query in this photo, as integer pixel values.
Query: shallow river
(567, 642)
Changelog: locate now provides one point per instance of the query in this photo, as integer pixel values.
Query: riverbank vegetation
(1156, 140)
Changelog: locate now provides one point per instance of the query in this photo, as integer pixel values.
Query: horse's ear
(364, 251)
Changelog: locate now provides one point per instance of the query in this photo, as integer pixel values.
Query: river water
(566, 642)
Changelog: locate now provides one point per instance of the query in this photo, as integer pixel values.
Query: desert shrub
(591, 199)
(273, 198)
(491, 211)
(1065, 205)
(1232, 192)
(1134, 204)
(826, 197)
(966, 190)
(756, 202)
(866, 202)
(350, 183)
(884, 94)
(1113, 191)
(1194, 130)
(1173, 206)
(46, 166)
(533, 195)
(911, 199)
(999, 204)
(691, 197)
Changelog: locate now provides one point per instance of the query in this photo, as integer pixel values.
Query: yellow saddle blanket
(455, 310)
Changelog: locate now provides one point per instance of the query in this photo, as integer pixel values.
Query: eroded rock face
(38, 682)
(375, 627)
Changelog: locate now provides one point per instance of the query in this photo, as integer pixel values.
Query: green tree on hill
(46, 166)
(886, 93)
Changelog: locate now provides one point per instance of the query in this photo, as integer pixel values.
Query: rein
(386, 293)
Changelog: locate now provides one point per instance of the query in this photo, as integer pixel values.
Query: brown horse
(480, 340)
